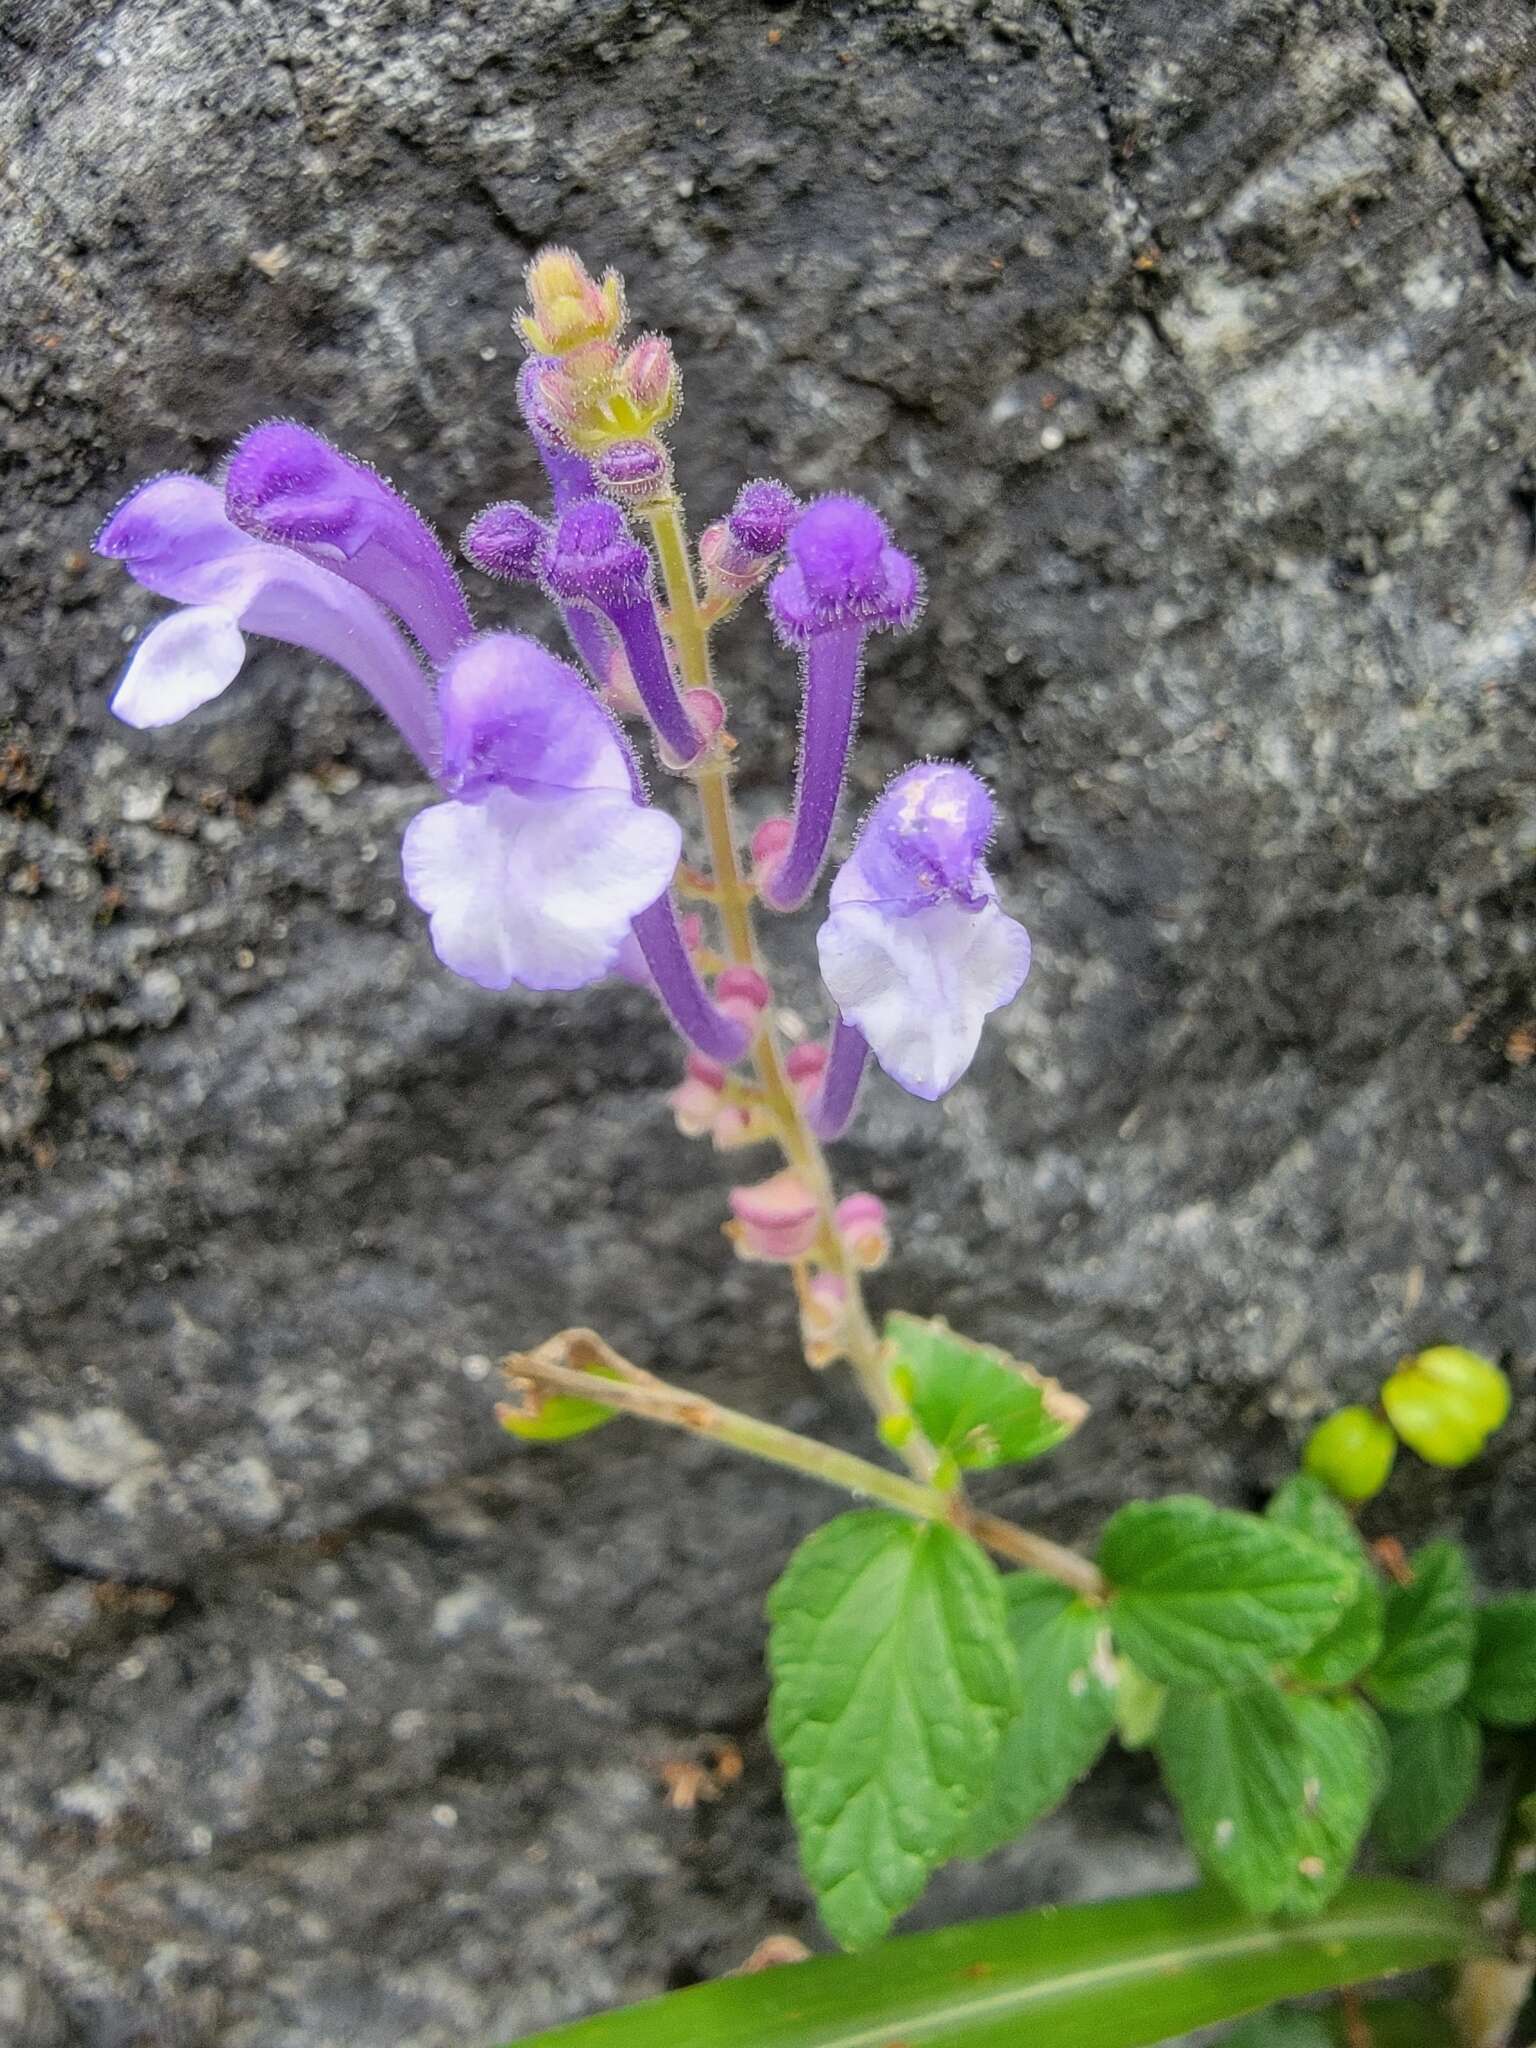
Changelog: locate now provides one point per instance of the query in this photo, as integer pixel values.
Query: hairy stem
(733, 899)
(561, 1366)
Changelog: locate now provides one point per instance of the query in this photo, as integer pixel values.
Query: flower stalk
(565, 1364)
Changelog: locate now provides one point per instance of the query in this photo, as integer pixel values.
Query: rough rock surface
(1193, 348)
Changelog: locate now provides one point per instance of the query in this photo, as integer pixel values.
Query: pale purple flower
(172, 536)
(291, 487)
(916, 950)
(542, 857)
(843, 580)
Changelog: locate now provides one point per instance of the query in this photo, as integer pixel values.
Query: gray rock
(1192, 351)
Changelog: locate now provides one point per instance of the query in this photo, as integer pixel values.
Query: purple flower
(545, 852)
(595, 560)
(761, 517)
(842, 581)
(916, 950)
(507, 541)
(288, 486)
(172, 536)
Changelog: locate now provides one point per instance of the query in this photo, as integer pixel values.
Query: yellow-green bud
(1352, 1453)
(1445, 1403)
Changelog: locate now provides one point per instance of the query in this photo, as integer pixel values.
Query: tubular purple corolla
(831, 701)
(595, 561)
(843, 579)
(832, 1110)
(677, 983)
(290, 487)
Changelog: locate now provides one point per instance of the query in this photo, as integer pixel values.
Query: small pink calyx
(823, 1318)
(805, 1065)
(770, 843)
(706, 714)
(696, 1101)
(861, 1224)
(774, 1221)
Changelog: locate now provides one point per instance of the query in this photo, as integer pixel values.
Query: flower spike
(843, 581)
(292, 488)
(172, 536)
(916, 950)
(595, 560)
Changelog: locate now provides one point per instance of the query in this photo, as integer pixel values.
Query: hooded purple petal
(535, 871)
(292, 488)
(173, 537)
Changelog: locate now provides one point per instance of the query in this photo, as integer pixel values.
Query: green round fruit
(1352, 1453)
(1445, 1403)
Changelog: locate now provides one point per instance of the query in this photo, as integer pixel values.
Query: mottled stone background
(1192, 346)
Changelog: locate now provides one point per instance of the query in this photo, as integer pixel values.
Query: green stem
(638, 1393)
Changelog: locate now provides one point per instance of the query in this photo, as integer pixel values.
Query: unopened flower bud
(861, 1226)
(507, 541)
(568, 308)
(761, 517)
(649, 377)
(1445, 1403)
(1351, 1452)
(774, 1221)
(633, 471)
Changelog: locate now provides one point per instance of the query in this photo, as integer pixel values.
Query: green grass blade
(1120, 1974)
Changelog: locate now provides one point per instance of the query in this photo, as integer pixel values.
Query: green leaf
(1208, 1596)
(1428, 1631)
(1139, 1704)
(1275, 1791)
(1344, 1773)
(1306, 1505)
(1503, 1687)
(978, 1404)
(542, 1418)
(1067, 1685)
(893, 1679)
(1235, 1767)
(1118, 1974)
(1433, 1765)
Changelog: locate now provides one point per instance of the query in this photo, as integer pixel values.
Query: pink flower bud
(734, 1126)
(648, 372)
(805, 1065)
(775, 1220)
(861, 1226)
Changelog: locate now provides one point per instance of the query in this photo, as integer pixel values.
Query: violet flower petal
(571, 479)
(173, 537)
(539, 891)
(917, 984)
(835, 1101)
(515, 716)
(289, 486)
